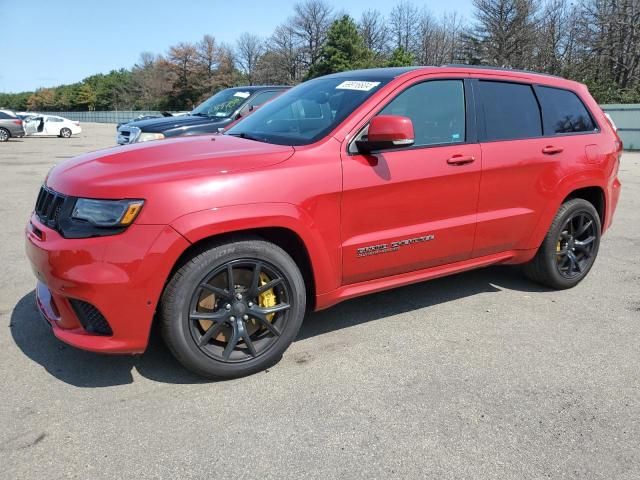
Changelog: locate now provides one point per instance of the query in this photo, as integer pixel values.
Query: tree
(403, 25)
(86, 97)
(374, 32)
(506, 30)
(310, 24)
(400, 58)
(249, 49)
(343, 49)
(182, 61)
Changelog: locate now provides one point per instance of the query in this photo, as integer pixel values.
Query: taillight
(17, 122)
(77, 123)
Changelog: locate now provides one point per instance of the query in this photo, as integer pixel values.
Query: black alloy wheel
(232, 309)
(575, 245)
(239, 310)
(569, 248)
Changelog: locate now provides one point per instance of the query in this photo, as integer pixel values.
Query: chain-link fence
(113, 116)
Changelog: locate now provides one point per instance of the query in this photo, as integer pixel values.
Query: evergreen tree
(400, 58)
(343, 50)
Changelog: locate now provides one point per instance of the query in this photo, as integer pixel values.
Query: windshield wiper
(199, 114)
(248, 136)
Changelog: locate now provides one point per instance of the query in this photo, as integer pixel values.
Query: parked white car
(48, 125)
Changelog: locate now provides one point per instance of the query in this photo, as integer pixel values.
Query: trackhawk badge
(391, 247)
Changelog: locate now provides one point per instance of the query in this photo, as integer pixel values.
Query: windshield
(222, 104)
(308, 112)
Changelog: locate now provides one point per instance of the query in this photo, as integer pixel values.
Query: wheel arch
(595, 196)
(590, 189)
(284, 238)
(284, 225)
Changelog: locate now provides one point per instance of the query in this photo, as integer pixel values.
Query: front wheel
(570, 247)
(4, 135)
(65, 133)
(232, 310)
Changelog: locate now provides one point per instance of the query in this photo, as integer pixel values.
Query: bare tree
(249, 49)
(507, 30)
(374, 32)
(403, 25)
(310, 24)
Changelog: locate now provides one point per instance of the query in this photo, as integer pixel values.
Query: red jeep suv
(344, 185)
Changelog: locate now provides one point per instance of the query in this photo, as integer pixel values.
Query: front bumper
(122, 276)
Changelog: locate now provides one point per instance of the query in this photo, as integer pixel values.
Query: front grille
(91, 318)
(49, 206)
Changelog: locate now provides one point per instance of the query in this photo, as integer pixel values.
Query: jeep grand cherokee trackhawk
(345, 185)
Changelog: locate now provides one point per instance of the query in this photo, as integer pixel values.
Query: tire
(570, 247)
(261, 330)
(65, 133)
(5, 135)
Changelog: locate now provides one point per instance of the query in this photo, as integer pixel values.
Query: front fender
(324, 253)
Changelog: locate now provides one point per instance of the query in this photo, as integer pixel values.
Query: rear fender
(569, 184)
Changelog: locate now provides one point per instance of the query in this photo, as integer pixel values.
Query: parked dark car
(145, 117)
(210, 116)
(10, 126)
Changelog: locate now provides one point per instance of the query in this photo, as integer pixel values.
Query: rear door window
(510, 110)
(563, 112)
(5, 116)
(436, 109)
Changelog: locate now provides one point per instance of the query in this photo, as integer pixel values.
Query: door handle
(551, 150)
(461, 159)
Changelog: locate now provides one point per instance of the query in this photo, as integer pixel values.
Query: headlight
(145, 137)
(106, 213)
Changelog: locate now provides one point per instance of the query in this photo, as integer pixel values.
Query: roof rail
(489, 67)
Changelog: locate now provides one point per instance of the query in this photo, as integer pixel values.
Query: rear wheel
(569, 248)
(233, 309)
(4, 135)
(65, 133)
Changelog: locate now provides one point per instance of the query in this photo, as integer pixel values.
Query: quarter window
(563, 112)
(436, 109)
(510, 111)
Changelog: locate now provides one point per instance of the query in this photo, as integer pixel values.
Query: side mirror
(387, 131)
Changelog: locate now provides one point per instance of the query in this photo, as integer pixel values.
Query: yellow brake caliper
(267, 299)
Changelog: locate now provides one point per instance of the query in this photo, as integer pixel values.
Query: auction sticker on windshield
(242, 94)
(357, 85)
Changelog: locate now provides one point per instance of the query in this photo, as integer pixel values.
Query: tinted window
(54, 119)
(510, 111)
(436, 109)
(563, 112)
(5, 115)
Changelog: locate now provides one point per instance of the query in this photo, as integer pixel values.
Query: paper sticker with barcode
(242, 94)
(357, 85)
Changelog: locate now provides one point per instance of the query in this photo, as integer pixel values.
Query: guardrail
(627, 119)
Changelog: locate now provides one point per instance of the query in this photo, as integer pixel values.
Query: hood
(158, 125)
(134, 171)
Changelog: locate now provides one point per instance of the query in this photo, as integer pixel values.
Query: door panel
(520, 166)
(413, 197)
(413, 208)
(516, 180)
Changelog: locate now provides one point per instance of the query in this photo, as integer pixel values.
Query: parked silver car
(10, 126)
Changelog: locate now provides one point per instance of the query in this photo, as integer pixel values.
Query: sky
(47, 43)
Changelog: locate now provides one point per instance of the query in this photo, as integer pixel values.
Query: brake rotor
(265, 299)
